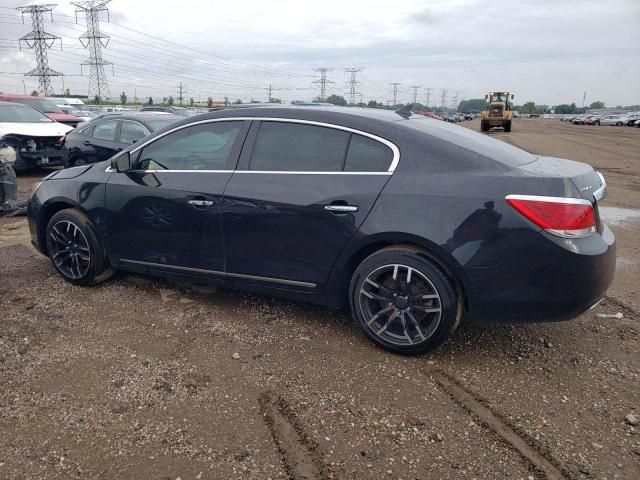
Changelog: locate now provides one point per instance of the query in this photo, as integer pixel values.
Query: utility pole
(270, 97)
(352, 83)
(323, 81)
(584, 99)
(415, 93)
(395, 85)
(181, 91)
(443, 98)
(428, 95)
(94, 41)
(40, 41)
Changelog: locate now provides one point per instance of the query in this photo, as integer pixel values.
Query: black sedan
(416, 225)
(109, 134)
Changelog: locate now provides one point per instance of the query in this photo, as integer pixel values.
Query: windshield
(20, 114)
(183, 112)
(41, 104)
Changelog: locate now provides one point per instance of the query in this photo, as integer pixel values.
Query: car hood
(49, 129)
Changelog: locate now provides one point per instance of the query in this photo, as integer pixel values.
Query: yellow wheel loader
(498, 113)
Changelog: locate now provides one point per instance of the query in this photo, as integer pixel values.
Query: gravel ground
(145, 378)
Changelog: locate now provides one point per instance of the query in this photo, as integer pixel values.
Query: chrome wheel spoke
(426, 309)
(416, 325)
(378, 315)
(404, 327)
(388, 322)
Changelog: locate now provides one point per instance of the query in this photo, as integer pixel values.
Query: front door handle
(200, 203)
(341, 208)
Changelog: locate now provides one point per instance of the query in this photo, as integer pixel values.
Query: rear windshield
(477, 142)
(161, 122)
(20, 114)
(41, 104)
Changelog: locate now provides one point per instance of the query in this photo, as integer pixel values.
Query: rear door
(102, 144)
(301, 191)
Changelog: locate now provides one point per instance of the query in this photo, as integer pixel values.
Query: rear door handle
(201, 203)
(341, 208)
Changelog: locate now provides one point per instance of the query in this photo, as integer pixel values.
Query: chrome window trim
(244, 276)
(541, 198)
(394, 149)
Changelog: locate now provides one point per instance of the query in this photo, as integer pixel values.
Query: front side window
(132, 132)
(284, 146)
(367, 155)
(201, 147)
(105, 130)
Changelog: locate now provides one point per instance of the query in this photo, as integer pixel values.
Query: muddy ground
(144, 378)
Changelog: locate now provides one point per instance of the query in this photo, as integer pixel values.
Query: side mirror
(121, 163)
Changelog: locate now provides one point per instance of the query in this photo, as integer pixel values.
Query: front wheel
(484, 126)
(75, 249)
(507, 126)
(403, 302)
(597, 123)
(618, 124)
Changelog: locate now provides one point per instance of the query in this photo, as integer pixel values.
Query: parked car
(431, 115)
(631, 118)
(636, 123)
(592, 120)
(578, 119)
(43, 105)
(76, 102)
(327, 205)
(84, 116)
(180, 111)
(109, 133)
(29, 138)
(612, 120)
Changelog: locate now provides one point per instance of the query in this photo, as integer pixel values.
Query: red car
(45, 106)
(430, 115)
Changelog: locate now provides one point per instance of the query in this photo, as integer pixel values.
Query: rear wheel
(507, 126)
(75, 248)
(597, 122)
(403, 302)
(484, 126)
(618, 124)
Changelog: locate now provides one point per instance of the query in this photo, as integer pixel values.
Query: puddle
(618, 215)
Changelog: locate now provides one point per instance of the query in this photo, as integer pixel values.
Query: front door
(167, 212)
(300, 193)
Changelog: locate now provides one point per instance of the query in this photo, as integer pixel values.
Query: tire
(507, 126)
(619, 124)
(403, 318)
(597, 123)
(83, 261)
(484, 127)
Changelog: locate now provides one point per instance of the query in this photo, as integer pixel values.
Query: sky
(549, 52)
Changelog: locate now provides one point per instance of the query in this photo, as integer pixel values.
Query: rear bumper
(549, 279)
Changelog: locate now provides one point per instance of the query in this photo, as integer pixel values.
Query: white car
(29, 138)
(616, 120)
(76, 102)
(84, 116)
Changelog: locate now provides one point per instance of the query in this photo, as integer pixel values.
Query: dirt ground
(144, 378)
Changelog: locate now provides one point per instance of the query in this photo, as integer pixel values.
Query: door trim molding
(282, 281)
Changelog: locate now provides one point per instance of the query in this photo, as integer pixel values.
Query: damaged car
(28, 138)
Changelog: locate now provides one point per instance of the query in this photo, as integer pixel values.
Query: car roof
(141, 116)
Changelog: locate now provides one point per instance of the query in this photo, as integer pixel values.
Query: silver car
(617, 120)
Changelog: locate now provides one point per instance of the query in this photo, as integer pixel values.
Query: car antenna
(405, 112)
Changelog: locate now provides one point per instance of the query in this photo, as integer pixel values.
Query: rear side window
(367, 155)
(298, 147)
(131, 132)
(105, 130)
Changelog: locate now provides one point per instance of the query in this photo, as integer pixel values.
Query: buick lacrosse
(415, 224)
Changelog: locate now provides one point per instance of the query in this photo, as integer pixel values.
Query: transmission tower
(40, 41)
(395, 85)
(352, 83)
(323, 81)
(443, 97)
(94, 41)
(428, 95)
(181, 91)
(415, 93)
(454, 101)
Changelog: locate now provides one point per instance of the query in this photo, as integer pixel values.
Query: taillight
(565, 217)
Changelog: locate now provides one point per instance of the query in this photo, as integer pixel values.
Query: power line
(323, 81)
(352, 83)
(40, 41)
(94, 41)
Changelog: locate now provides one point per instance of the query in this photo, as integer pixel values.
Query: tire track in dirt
(539, 460)
(299, 453)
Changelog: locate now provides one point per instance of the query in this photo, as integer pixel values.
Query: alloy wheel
(400, 305)
(69, 249)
